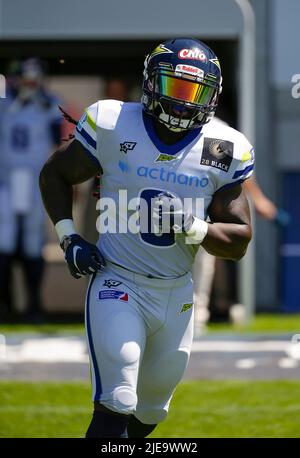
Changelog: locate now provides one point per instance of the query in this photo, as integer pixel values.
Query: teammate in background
(30, 127)
(139, 307)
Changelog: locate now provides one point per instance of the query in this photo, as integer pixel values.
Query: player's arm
(229, 232)
(68, 166)
(262, 204)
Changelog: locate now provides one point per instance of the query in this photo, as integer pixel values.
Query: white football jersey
(121, 139)
(25, 135)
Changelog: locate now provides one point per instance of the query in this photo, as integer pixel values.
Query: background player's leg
(5, 285)
(32, 241)
(116, 340)
(203, 276)
(34, 272)
(8, 234)
(165, 358)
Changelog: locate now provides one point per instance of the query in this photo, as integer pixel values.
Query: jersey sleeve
(242, 165)
(86, 132)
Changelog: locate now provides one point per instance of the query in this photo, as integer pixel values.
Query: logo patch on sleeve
(217, 153)
(113, 294)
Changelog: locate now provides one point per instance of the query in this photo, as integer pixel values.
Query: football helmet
(182, 83)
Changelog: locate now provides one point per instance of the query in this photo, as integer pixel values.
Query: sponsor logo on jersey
(182, 68)
(165, 158)
(113, 294)
(169, 176)
(124, 167)
(186, 307)
(127, 146)
(112, 283)
(217, 153)
(195, 54)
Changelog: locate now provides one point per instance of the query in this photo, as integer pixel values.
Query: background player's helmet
(31, 76)
(182, 83)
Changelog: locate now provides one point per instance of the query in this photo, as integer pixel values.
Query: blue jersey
(121, 139)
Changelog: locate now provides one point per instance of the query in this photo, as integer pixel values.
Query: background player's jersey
(26, 135)
(121, 138)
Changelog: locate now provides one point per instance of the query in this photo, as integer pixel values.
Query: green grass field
(199, 409)
(264, 323)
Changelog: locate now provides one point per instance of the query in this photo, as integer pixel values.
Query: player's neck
(166, 135)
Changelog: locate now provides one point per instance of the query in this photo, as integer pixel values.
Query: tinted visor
(190, 91)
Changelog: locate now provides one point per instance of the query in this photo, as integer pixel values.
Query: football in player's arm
(139, 314)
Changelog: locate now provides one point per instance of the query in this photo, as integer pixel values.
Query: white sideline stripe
(248, 363)
(48, 350)
(74, 350)
(243, 346)
(287, 363)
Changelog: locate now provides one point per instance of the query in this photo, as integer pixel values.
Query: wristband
(197, 232)
(65, 227)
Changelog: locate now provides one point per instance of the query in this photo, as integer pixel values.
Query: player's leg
(165, 358)
(136, 428)
(31, 244)
(5, 285)
(8, 229)
(116, 340)
(203, 276)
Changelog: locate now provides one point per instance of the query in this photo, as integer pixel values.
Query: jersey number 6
(159, 240)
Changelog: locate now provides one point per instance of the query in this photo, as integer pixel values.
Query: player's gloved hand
(83, 258)
(169, 214)
(282, 218)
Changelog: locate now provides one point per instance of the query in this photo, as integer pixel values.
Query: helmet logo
(196, 54)
(216, 62)
(189, 69)
(160, 49)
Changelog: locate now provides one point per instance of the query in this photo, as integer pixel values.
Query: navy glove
(169, 214)
(282, 218)
(83, 258)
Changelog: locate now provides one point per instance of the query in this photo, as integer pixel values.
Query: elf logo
(196, 54)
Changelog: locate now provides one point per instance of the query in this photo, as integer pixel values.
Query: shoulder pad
(108, 113)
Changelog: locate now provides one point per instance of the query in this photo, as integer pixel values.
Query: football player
(30, 126)
(139, 303)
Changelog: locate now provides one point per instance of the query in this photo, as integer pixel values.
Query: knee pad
(123, 400)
